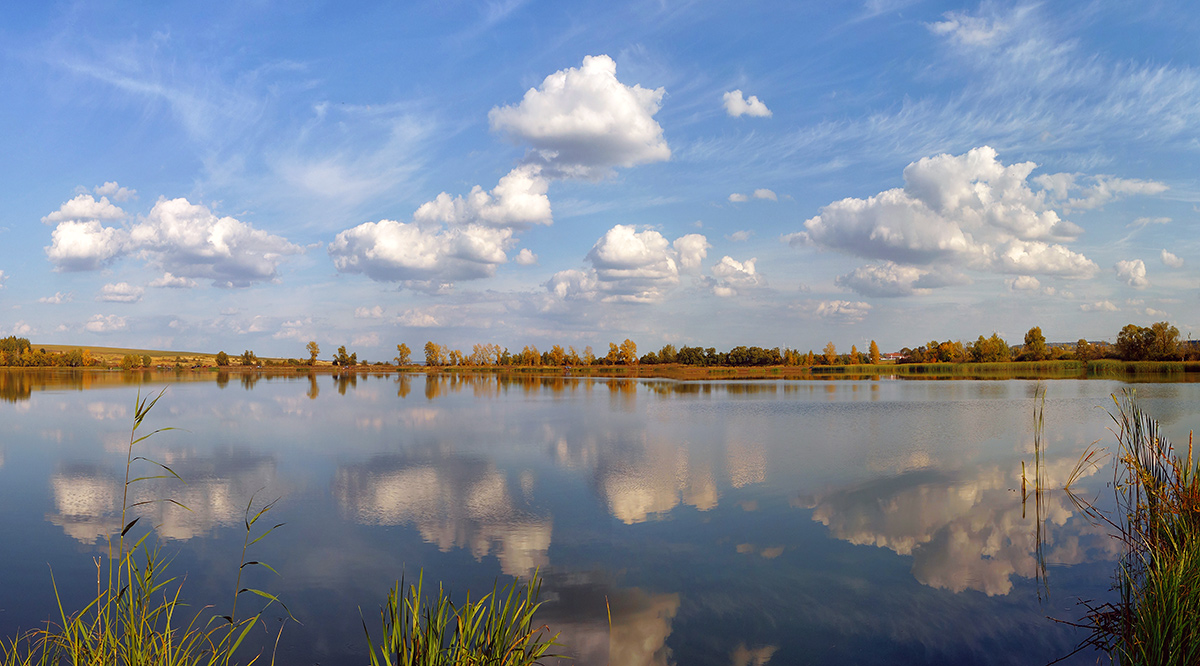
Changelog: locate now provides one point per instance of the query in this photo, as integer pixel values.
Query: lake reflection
(874, 522)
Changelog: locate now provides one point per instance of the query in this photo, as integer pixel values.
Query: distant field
(158, 356)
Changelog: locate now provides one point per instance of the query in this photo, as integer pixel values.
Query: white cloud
(525, 257)
(1096, 191)
(121, 292)
(1171, 260)
(58, 298)
(84, 207)
(969, 30)
(967, 209)
(390, 251)
(365, 340)
(518, 200)
(843, 312)
(184, 239)
(583, 121)
(1132, 272)
(1024, 283)
(740, 235)
(105, 324)
(1151, 312)
(189, 240)
(737, 105)
(85, 245)
(369, 313)
(760, 193)
(631, 266)
(170, 281)
(4, 277)
(731, 276)
(885, 279)
(1147, 221)
(418, 319)
(1098, 306)
(118, 193)
(21, 328)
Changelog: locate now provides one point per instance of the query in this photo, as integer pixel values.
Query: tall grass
(137, 615)
(1157, 520)
(498, 629)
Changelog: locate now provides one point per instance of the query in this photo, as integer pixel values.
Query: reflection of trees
(15, 385)
(87, 498)
(454, 503)
(636, 636)
(313, 389)
(963, 532)
(403, 385)
(346, 380)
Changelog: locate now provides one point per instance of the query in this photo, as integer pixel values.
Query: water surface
(781, 522)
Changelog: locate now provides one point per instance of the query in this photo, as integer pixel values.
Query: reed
(138, 616)
(498, 629)
(1157, 521)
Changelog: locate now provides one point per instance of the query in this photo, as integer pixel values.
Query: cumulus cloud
(1170, 260)
(21, 328)
(1075, 191)
(365, 340)
(170, 281)
(518, 200)
(118, 193)
(525, 257)
(845, 312)
(1132, 272)
(418, 319)
(884, 279)
(631, 266)
(369, 313)
(730, 276)
(1024, 283)
(57, 299)
(184, 239)
(189, 240)
(104, 324)
(391, 251)
(760, 193)
(582, 122)
(970, 210)
(1098, 306)
(84, 207)
(737, 105)
(121, 292)
(740, 236)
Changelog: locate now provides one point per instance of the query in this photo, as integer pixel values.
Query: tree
(146, 360)
(614, 354)
(830, 354)
(589, 357)
(1164, 343)
(557, 355)
(248, 358)
(629, 352)
(1035, 345)
(435, 354)
(222, 359)
(667, 354)
(1084, 351)
(313, 352)
(403, 354)
(854, 358)
(874, 352)
(1133, 342)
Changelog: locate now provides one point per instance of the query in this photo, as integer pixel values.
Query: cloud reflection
(964, 531)
(641, 622)
(87, 498)
(454, 502)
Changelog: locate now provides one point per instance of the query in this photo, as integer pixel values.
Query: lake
(780, 522)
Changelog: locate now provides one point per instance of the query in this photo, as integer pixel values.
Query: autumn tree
(874, 352)
(248, 358)
(629, 352)
(1084, 350)
(403, 354)
(434, 354)
(854, 357)
(557, 355)
(313, 351)
(222, 359)
(589, 357)
(1035, 345)
(573, 357)
(830, 353)
(614, 354)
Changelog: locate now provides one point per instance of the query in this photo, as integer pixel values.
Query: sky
(256, 175)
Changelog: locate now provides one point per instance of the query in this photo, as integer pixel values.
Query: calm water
(874, 522)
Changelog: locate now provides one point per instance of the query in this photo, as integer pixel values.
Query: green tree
(248, 358)
(146, 360)
(1133, 342)
(830, 354)
(343, 359)
(403, 354)
(222, 359)
(1084, 350)
(1035, 345)
(874, 352)
(313, 351)
(1164, 342)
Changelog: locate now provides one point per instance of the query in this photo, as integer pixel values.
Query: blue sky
(256, 175)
